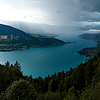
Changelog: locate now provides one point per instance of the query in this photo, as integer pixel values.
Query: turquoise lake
(48, 60)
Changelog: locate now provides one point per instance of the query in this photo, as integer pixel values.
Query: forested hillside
(14, 39)
(91, 51)
(80, 83)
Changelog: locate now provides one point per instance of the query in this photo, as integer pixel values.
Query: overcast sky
(53, 12)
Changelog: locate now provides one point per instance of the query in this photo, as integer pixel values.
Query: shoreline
(90, 51)
(22, 49)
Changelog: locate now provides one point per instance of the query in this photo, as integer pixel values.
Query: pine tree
(17, 65)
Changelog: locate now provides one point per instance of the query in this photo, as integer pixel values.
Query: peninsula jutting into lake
(90, 51)
(12, 39)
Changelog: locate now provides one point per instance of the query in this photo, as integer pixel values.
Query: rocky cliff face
(3, 37)
(14, 37)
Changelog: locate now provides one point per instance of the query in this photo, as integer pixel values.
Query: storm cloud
(48, 10)
(51, 12)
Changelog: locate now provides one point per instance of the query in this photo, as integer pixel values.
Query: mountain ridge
(15, 39)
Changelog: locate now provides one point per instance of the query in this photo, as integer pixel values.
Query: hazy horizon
(50, 16)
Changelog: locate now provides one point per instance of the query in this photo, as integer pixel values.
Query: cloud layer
(53, 12)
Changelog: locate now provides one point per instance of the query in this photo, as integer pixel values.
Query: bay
(48, 60)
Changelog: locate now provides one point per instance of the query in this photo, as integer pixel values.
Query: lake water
(48, 60)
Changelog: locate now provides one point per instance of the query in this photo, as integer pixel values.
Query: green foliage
(8, 74)
(91, 93)
(72, 94)
(80, 83)
(20, 90)
(19, 40)
(60, 88)
(52, 86)
(17, 65)
(53, 96)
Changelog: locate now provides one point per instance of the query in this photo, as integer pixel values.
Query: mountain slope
(91, 51)
(15, 39)
(8, 30)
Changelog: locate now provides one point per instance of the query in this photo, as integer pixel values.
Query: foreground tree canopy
(80, 83)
